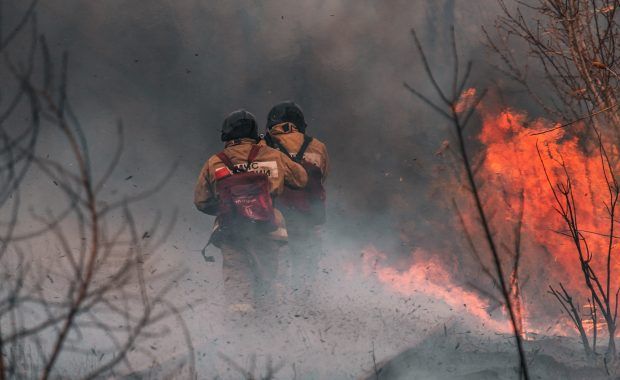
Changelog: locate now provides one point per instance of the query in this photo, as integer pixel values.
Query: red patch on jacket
(221, 173)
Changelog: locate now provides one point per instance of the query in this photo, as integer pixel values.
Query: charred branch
(448, 107)
(100, 263)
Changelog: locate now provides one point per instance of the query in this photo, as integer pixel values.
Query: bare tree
(459, 114)
(599, 285)
(565, 54)
(79, 276)
(573, 311)
(574, 46)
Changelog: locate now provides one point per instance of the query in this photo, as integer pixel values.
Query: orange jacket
(279, 169)
(288, 135)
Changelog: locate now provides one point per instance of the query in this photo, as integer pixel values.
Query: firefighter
(303, 209)
(237, 186)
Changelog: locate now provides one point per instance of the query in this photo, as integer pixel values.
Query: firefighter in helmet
(237, 185)
(303, 209)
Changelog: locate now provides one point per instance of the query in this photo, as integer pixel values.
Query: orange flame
(512, 171)
(430, 278)
(511, 163)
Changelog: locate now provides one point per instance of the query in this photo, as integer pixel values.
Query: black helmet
(239, 124)
(289, 112)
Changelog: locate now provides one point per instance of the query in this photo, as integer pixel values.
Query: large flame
(513, 180)
(512, 164)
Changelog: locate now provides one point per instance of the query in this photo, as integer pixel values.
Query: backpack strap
(302, 149)
(253, 153)
(226, 160)
(274, 143)
(269, 140)
(251, 157)
(282, 148)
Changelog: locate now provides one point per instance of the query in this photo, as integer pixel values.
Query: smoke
(172, 70)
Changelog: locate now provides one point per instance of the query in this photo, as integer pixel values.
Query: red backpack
(243, 195)
(311, 199)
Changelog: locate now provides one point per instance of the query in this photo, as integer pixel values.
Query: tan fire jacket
(277, 166)
(288, 135)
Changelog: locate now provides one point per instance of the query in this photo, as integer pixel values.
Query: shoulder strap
(251, 157)
(274, 143)
(269, 140)
(302, 149)
(282, 148)
(253, 153)
(222, 156)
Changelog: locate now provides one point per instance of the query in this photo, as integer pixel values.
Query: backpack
(244, 196)
(311, 199)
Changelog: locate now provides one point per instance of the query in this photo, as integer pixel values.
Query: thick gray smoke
(172, 70)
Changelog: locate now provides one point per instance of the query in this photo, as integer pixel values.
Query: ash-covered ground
(171, 70)
(355, 327)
